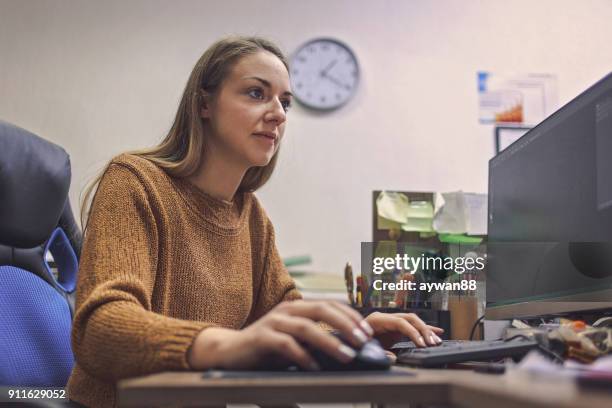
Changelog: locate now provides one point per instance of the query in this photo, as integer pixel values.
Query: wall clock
(324, 74)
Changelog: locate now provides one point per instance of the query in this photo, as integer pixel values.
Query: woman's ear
(205, 104)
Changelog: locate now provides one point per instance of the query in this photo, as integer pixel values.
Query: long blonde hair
(180, 152)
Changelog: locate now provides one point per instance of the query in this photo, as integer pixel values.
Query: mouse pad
(303, 374)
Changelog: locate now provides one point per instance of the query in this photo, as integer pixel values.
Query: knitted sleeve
(115, 332)
(276, 284)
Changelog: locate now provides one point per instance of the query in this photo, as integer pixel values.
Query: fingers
(425, 331)
(286, 346)
(407, 324)
(305, 330)
(334, 315)
(391, 356)
(410, 331)
(356, 317)
(437, 330)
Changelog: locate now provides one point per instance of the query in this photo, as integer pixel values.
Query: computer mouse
(371, 356)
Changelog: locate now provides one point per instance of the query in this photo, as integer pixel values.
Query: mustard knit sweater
(162, 261)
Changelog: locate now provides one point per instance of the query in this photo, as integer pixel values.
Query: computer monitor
(550, 214)
(505, 135)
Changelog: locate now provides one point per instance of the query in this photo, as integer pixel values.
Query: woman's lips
(268, 138)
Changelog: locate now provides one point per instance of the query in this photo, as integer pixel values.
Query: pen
(359, 296)
(401, 295)
(348, 278)
(366, 291)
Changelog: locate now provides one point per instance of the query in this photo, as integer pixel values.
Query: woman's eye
(286, 105)
(256, 93)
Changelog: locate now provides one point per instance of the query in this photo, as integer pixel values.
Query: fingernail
(432, 340)
(314, 366)
(347, 351)
(361, 336)
(421, 342)
(366, 326)
(438, 338)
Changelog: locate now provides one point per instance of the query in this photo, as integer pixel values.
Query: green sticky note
(419, 217)
(459, 239)
(418, 224)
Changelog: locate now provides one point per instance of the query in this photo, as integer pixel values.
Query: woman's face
(246, 118)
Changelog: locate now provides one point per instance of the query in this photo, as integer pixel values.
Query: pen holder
(463, 314)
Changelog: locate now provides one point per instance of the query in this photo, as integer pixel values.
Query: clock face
(324, 74)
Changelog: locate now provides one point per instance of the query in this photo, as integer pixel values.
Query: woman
(179, 268)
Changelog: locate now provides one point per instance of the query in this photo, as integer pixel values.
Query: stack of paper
(396, 211)
(454, 213)
(461, 213)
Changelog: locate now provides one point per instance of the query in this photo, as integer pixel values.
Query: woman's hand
(281, 333)
(389, 328)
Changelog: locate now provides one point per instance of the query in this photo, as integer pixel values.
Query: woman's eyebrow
(267, 84)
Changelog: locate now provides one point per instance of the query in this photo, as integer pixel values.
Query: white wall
(99, 78)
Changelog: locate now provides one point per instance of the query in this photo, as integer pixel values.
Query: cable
(603, 322)
(474, 327)
(551, 353)
(541, 347)
(517, 336)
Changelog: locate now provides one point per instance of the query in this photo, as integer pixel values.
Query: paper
(516, 98)
(460, 213)
(438, 202)
(420, 209)
(420, 217)
(451, 216)
(476, 205)
(602, 365)
(393, 206)
(395, 210)
(534, 361)
(450, 213)
(418, 224)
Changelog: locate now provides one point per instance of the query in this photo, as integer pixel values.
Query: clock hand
(328, 67)
(335, 81)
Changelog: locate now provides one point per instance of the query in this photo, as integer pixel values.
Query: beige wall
(102, 77)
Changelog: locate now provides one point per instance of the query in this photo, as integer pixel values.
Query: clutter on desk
(582, 342)
(598, 374)
(572, 343)
(320, 286)
(420, 225)
(396, 211)
(298, 260)
(449, 213)
(315, 285)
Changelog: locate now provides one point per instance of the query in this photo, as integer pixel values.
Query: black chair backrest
(36, 304)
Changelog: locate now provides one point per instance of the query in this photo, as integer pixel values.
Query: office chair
(36, 304)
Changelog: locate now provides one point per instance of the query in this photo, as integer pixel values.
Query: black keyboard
(459, 351)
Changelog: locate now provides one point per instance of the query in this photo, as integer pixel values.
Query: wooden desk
(450, 388)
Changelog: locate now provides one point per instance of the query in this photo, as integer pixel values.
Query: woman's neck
(218, 178)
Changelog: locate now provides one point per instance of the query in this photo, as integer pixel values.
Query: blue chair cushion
(36, 319)
(35, 340)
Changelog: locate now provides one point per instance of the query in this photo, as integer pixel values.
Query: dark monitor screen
(550, 212)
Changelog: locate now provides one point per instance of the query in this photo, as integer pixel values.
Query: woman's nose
(277, 112)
